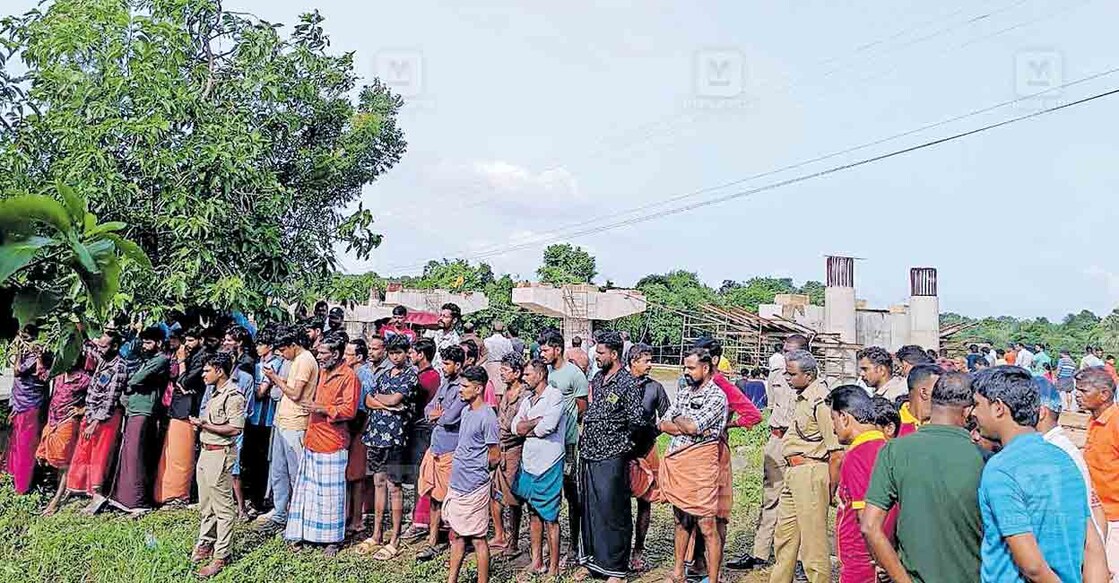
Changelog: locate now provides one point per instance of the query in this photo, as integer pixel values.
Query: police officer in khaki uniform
(813, 453)
(220, 423)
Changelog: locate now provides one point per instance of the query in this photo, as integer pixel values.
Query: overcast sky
(524, 118)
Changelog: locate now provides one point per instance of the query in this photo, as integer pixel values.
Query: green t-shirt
(572, 384)
(933, 477)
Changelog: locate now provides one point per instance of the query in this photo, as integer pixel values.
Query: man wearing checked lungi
(467, 505)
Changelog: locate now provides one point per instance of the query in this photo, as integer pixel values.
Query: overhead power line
(787, 182)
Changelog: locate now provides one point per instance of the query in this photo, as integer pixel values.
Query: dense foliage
(1072, 333)
(231, 150)
(564, 264)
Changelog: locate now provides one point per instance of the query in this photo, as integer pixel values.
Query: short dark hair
(1015, 388)
(877, 356)
(426, 347)
(800, 340)
(853, 400)
(194, 332)
(886, 413)
(638, 350)
(552, 338)
(453, 308)
(335, 343)
(539, 366)
(290, 336)
(360, 348)
(153, 333)
(470, 349)
(913, 354)
(973, 347)
(377, 337)
(613, 341)
(397, 343)
(400, 311)
(476, 374)
(212, 332)
(513, 361)
(921, 372)
(712, 345)
(453, 353)
(315, 323)
(220, 360)
(953, 389)
(704, 356)
(576, 341)
(338, 335)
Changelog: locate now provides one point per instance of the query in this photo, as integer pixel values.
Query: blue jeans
(287, 451)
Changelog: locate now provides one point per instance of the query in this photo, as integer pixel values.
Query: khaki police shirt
(226, 406)
(811, 433)
(779, 396)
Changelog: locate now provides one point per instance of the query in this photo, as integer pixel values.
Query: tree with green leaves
(58, 264)
(234, 152)
(566, 264)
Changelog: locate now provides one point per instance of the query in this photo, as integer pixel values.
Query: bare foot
(581, 574)
(51, 508)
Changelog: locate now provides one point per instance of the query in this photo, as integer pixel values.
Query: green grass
(69, 547)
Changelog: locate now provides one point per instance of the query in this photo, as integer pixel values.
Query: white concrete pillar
(899, 327)
(924, 308)
(839, 298)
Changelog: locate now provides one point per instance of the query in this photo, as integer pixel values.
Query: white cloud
(1110, 280)
(501, 187)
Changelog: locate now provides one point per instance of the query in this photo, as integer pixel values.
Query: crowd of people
(940, 469)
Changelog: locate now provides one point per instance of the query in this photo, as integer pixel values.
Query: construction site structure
(578, 305)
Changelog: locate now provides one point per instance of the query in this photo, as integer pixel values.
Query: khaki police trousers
(802, 525)
(216, 506)
(773, 480)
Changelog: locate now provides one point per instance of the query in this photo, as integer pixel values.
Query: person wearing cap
(813, 454)
(1050, 429)
(335, 320)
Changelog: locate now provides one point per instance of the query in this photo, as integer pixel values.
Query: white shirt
(497, 346)
(1059, 438)
(991, 357)
(1090, 361)
(443, 339)
(545, 445)
(777, 361)
(1025, 359)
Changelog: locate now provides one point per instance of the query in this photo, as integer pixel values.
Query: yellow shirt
(289, 414)
(225, 407)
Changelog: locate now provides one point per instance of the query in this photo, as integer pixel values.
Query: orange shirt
(338, 392)
(1101, 453)
(1011, 356)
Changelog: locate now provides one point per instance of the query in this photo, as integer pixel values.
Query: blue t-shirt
(1031, 486)
(470, 467)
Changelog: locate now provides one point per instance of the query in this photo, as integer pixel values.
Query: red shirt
(909, 423)
(748, 414)
(338, 392)
(390, 330)
(856, 564)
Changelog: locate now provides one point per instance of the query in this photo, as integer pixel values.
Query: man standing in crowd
(572, 384)
(335, 321)
(384, 436)
(355, 357)
(137, 451)
(175, 473)
(542, 421)
(780, 397)
(396, 325)
(96, 446)
(419, 433)
(496, 347)
(577, 355)
(876, 369)
(518, 344)
(1025, 358)
(297, 390)
(445, 333)
(1095, 393)
(466, 507)
(1041, 359)
(1090, 359)
(510, 444)
(777, 359)
(314, 331)
(444, 412)
(909, 356)
(612, 420)
(812, 453)
(689, 475)
(28, 398)
(61, 431)
(222, 420)
(318, 504)
(973, 356)
(1050, 429)
(932, 477)
(263, 414)
(916, 411)
(855, 419)
(1033, 502)
(645, 465)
